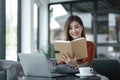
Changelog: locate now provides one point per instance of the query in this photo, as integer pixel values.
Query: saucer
(78, 74)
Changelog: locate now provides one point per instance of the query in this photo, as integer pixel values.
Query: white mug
(85, 70)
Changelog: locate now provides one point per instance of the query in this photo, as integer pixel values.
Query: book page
(62, 47)
(79, 48)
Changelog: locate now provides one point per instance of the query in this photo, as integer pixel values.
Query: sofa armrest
(13, 69)
(107, 67)
(2, 75)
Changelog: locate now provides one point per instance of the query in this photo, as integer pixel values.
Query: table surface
(67, 77)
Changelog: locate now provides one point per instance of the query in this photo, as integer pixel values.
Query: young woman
(74, 29)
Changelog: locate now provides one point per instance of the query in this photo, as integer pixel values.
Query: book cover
(77, 48)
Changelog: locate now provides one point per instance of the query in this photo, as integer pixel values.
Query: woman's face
(75, 30)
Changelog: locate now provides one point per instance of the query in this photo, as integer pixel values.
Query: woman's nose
(73, 30)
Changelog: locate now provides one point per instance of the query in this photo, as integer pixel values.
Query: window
(36, 27)
(101, 21)
(11, 29)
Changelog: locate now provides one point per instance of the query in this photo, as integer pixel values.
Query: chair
(107, 67)
(10, 70)
(2, 75)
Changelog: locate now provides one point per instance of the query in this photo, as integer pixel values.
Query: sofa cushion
(13, 69)
(107, 67)
(2, 75)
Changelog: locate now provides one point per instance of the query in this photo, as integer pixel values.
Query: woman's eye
(76, 26)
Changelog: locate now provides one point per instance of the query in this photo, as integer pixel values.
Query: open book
(77, 48)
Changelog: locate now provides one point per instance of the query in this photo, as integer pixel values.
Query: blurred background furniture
(107, 67)
(10, 70)
(2, 75)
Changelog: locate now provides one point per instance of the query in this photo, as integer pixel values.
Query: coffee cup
(85, 70)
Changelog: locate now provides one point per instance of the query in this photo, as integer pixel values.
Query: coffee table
(68, 77)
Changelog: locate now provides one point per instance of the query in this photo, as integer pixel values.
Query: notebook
(36, 64)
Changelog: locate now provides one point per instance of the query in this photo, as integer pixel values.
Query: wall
(28, 24)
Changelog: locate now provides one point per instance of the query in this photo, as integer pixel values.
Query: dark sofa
(2, 75)
(107, 67)
(9, 70)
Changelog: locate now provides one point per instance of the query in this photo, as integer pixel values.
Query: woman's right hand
(65, 58)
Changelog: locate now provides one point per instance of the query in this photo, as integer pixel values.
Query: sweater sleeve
(91, 52)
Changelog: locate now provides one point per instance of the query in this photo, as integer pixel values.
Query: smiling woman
(74, 29)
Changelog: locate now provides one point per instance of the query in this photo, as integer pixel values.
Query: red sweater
(91, 52)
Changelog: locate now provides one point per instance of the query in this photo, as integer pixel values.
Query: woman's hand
(65, 58)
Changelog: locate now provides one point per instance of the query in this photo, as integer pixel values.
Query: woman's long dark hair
(67, 25)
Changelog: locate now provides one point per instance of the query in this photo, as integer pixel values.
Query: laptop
(36, 64)
(36, 78)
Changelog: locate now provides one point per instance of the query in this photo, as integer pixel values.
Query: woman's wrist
(77, 66)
